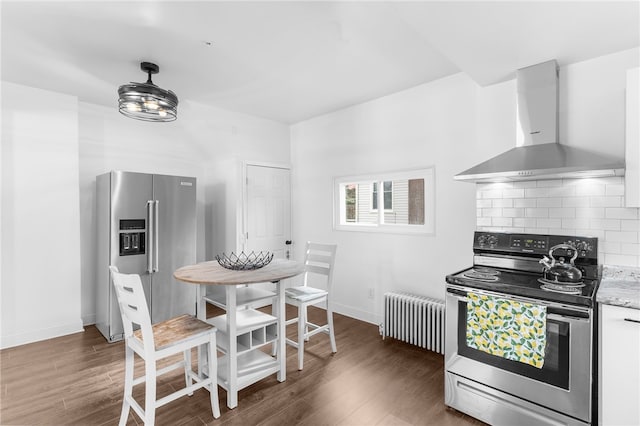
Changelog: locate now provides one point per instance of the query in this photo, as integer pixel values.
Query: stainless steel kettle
(558, 270)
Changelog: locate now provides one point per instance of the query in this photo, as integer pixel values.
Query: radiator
(417, 320)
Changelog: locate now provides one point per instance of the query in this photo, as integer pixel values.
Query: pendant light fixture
(146, 101)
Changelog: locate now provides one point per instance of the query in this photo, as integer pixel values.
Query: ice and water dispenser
(132, 237)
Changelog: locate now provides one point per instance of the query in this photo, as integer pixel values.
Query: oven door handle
(462, 295)
(560, 310)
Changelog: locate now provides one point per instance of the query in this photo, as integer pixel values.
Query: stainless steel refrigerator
(146, 224)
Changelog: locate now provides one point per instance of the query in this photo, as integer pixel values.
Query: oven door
(563, 383)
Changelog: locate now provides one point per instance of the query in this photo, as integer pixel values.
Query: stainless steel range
(558, 273)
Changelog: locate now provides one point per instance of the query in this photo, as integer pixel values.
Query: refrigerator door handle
(156, 244)
(150, 238)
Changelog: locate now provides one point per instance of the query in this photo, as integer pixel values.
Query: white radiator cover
(414, 319)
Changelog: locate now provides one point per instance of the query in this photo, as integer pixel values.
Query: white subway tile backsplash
(611, 180)
(596, 233)
(537, 212)
(582, 222)
(525, 202)
(614, 189)
(512, 212)
(524, 222)
(568, 231)
(622, 236)
(495, 185)
(588, 207)
(549, 202)
(606, 201)
(611, 247)
(513, 193)
(536, 192)
(496, 229)
(502, 221)
(629, 225)
(536, 230)
(491, 212)
(484, 204)
(590, 212)
(630, 248)
(589, 190)
(491, 193)
(621, 213)
(562, 212)
(502, 202)
(620, 259)
(483, 221)
(548, 183)
(548, 223)
(525, 184)
(562, 191)
(606, 224)
(560, 231)
(575, 202)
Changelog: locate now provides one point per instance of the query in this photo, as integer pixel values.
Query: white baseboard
(352, 313)
(356, 313)
(32, 336)
(89, 319)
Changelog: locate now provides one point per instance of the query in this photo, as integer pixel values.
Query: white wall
(432, 124)
(40, 291)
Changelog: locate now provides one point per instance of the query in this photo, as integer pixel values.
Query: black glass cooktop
(523, 284)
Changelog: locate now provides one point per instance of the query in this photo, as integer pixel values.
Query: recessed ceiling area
(290, 61)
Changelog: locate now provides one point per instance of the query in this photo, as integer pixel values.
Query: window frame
(356, 199)
(375, 183)
(339, 216)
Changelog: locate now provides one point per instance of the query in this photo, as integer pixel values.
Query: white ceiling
(289, 61)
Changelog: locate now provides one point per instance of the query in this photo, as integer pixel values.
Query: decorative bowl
(244, 262)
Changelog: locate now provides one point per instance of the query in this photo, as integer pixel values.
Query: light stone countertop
(620, 286)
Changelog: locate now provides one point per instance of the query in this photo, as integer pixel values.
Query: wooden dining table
(243, 330)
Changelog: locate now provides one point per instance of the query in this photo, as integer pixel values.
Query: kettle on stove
(559, 271)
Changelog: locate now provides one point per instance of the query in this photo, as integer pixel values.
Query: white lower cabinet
(619, 366)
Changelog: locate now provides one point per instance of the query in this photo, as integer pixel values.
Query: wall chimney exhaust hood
(538, 154)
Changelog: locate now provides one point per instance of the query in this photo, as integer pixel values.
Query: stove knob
(493, 240)
(482, 240)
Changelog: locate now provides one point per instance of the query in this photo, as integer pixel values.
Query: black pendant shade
(146, 101)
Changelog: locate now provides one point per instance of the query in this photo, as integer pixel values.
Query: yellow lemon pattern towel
(506, 328)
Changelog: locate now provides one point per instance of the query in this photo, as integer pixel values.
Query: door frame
(242, 235)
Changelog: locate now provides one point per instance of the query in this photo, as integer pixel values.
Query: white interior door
(268, 210)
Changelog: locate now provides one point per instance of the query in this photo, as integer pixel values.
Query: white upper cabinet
(632, 139)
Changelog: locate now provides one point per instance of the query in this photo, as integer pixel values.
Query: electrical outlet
(372, 293)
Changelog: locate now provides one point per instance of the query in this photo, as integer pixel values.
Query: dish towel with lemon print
(506, 328)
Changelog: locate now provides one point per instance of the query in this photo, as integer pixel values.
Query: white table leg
(282, 317)
(201, 314)
(232, 353)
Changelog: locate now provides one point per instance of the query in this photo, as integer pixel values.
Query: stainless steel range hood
(540, 156)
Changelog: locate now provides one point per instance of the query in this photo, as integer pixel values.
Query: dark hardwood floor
(78, 379)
